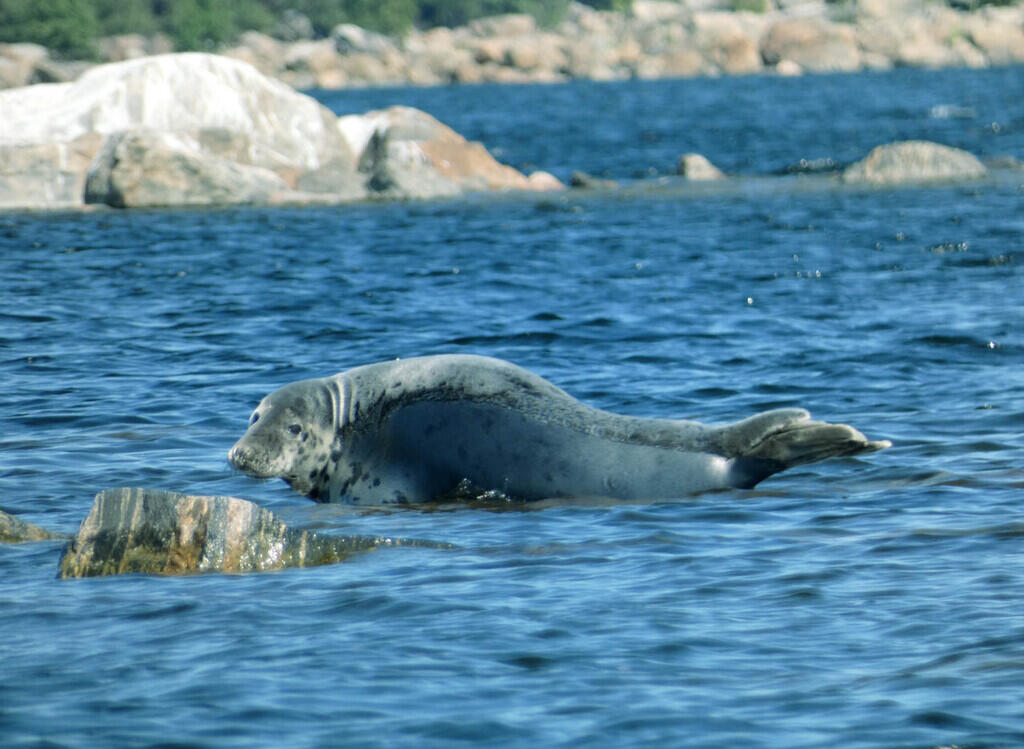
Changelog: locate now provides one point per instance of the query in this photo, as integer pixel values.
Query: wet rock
(915, 161)
(158, 532)
(13, 530)
(695, 167)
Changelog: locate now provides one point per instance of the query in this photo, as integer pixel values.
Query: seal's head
(290, 436)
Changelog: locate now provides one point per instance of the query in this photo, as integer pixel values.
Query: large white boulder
(171, 129)
(913, 161)
(177, 93)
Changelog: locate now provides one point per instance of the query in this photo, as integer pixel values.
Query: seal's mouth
(248, 462)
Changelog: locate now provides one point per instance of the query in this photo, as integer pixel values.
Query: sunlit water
(868, 602)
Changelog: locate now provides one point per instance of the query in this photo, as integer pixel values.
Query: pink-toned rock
(684, 63)
(814, 44)
(408, 153)
(999, 34)
(728, 42)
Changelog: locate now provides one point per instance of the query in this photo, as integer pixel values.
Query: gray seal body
(414, 430)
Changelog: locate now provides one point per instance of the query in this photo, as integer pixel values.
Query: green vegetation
(754, 6)
(69, 28)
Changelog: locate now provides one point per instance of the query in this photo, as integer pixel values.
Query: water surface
(870, 602)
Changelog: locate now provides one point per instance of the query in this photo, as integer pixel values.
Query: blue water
(875, 602)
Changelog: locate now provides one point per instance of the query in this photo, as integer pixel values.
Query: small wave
(951, 112)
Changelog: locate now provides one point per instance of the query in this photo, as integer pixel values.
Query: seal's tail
(773, 441)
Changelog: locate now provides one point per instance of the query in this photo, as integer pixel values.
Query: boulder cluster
(119, 135)
(656, 38)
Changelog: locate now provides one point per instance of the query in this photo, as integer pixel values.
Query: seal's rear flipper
(773, 441)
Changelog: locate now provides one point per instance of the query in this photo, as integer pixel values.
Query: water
(868, 602)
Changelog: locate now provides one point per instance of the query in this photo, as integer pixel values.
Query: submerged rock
(915, 161)
(164, 533)
(16, 531)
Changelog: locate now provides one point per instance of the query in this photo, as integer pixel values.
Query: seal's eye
(254, 418)
(295, 429)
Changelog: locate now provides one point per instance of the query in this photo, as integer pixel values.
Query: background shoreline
(652, 40)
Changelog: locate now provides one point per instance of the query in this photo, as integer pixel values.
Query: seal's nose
(239, 457)
(250, 461)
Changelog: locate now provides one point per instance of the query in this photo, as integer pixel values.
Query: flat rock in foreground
(158, 532)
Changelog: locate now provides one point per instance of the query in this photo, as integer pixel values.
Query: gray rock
(16, 531)
(350, 39)
(914, 161)
(46, 174)
(294, 26)
(142, 169)
(158, 532)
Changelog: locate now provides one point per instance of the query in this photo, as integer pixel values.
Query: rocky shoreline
(119, 137)
(117, 134)
(656, 39)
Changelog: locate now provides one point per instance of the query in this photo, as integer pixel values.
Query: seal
(415, 430)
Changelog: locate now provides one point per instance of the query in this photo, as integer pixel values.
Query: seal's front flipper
(773, 441)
